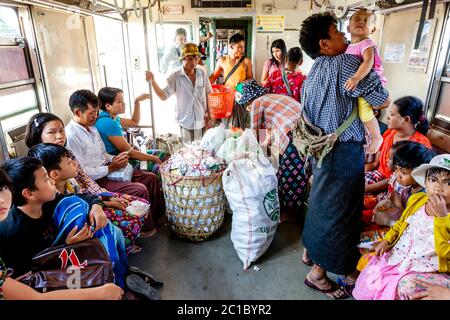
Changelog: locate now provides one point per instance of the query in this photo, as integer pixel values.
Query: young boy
(62, 169)
(29, 228)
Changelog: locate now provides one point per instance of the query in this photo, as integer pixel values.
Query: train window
(16, 101)
(443, 108)
(165, 41)
(9, 26)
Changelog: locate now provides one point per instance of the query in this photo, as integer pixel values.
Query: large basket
(195, 206)
(221, 101)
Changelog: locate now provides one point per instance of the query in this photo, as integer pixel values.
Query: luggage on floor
(250, 185)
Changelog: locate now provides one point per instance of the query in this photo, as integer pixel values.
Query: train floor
(212, 270)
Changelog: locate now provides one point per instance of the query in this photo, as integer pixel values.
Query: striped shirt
(276, 112)
(327, 104)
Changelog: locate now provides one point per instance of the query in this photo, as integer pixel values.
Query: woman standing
(279, 54)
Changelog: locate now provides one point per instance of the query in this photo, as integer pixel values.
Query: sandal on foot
(342, 281)
(309, 262)
(134, 249)
(311, 285)
(147, 234)
(146, 276)
(142, 288)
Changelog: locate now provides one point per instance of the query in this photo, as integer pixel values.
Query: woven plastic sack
(251, 189)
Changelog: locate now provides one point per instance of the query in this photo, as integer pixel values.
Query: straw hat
(189, 49)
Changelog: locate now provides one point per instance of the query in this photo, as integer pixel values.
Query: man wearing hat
(190, 84)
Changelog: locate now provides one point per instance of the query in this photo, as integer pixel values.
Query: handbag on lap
(84, 264)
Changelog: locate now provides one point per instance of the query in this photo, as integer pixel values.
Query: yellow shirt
(239, 75)
(441, 230)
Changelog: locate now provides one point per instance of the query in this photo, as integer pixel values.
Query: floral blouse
(415, 250)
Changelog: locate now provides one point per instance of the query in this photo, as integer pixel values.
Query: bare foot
(375, 144)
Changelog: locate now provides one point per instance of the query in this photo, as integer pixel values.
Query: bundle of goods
(250, 184)
(195, 200)
(168, 143)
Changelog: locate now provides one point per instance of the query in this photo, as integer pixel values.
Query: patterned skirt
(129, 224)
(292, 178)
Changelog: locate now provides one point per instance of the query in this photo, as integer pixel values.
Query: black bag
(58, 267)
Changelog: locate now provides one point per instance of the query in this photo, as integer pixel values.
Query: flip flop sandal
(341, 282)
(147, 234)
(311, 285)
(308, 263)
(134, 249)
(142, 288)
(146, 276)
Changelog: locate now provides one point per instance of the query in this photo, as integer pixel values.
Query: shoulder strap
(347, 122)
(234, 68)
(286, 81)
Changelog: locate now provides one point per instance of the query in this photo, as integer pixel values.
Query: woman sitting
(406, 121)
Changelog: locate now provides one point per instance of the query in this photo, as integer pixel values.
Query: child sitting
(362, 25)
(407, 156)
(41, 218)
(291, 81)
(11, 289)
(48, 128)
(418, 242)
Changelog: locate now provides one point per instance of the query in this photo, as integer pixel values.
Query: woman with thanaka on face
(278, 51)
(361, 27)
(11, 289)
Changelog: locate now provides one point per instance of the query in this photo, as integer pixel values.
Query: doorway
(222, 29)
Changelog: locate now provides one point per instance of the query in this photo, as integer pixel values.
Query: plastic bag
(214, 138)
(138, 208)
(123, 175)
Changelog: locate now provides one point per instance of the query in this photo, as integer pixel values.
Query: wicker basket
(195, 206)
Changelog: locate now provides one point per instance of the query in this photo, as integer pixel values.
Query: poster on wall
(270, 24)
(418, 59)
(394, 52)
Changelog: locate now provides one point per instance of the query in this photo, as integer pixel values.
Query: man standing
(331, 230)
(236, 68)
(170, 61)
(191, 86)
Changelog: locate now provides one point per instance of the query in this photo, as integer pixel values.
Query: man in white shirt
(191, 86)
(85, 142)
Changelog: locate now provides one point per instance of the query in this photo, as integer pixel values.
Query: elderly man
(331, 230)
(190, 84)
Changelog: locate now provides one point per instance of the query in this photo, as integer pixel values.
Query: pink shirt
(357, 49)
(270, 67)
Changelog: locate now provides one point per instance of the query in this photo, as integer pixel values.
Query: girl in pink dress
(362, 25)
(418, 242)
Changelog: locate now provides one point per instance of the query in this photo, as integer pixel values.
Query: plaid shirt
(278, 113)
(327, 104)
(86, 184)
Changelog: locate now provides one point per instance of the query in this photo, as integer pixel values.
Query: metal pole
(147, 55)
